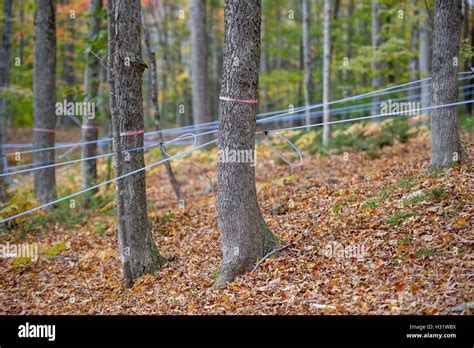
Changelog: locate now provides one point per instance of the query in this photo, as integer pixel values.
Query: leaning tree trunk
(327, 72)
(445, 142)
(308, 77)
(138, 252)
(245, 235)
(4, 67)
(154, 100)
(199, 76)
(91, 88)
(425, 56)
(376, 62)
(44, 87)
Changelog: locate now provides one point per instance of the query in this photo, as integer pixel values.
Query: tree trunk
(245, 235)
(376, 62)
(413, 59)
(327, 72)
(138, 252)
(44, 87)
(91, 89)
(68, 72)
(308, 77)
(264, 70)
(154, 99)
(4, 70)
(445, 143)
(467, 62)
(425, 56)
(199, 76)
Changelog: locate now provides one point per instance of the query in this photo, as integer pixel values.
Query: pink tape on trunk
(126, 134)
(88, 127)
(46, 130)
(239, 100)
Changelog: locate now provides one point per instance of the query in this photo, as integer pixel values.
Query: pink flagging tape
(126, 134)
(88, 127)
(46, 130)
(239, 100)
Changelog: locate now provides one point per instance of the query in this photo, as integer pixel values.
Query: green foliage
(407, 182)
(399, 218)
(56, 249)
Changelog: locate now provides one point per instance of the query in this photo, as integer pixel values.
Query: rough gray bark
(4, 69)
(308, 77)
(376, 62)
(199, 69)
(414, 36)
(425, 55)
(467, 66)
(44, 87)
(445, 142)
(91, 89)
(154, 100)
(245, 235)
(327, 72)
(138, 252)
(264, 70)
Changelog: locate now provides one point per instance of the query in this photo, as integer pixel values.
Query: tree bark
(44, 87)
(90, 131)
(68, 72)
(467, 62)
(445, 143)
(138, 252)
(308, 77)
(154, 100)
(199, 69)
(264, 70)
(327, 72)
(245, 235)
(4, 70)
(425, 56)
(414, 36)
(377, 76)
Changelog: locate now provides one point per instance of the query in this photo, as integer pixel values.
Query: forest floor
(367, 235)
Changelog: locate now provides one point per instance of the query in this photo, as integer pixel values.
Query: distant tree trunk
(4, 70)
(264, 70)
(327, 72)
(154, 99)
(445, 142)
(413, 59)
(425, 56)
(376, 62)
(199, 76)
(68, 71)
(350, 34)
(91, 89)
(138, 252)
(245, 235)
(308, 77)
(44, 88)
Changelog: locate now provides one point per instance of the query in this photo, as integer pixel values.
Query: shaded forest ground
(407, 232)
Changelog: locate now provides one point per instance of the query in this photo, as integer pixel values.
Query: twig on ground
(279, 249)
(464, 240)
